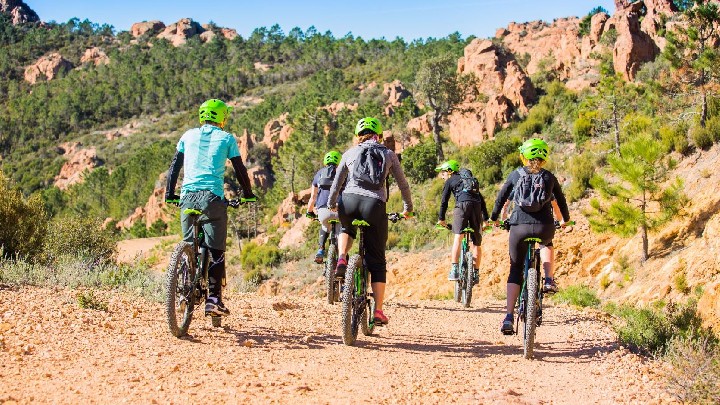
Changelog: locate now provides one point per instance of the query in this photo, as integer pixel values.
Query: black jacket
(454, 185)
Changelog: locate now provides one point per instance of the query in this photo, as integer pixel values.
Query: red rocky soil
(288, 350)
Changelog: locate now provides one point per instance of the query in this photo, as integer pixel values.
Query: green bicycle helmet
(451, 165)
(534, 148)
(332, 158)
(214, 110)
(368, 123)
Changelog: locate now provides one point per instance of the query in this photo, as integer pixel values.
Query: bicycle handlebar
(398, 216)
(235, 202)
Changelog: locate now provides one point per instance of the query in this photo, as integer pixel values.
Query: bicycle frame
(200, 252)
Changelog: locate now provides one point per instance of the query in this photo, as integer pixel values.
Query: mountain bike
(358, 303)
(529, 306)
(464, 284)
(333, 285)
(186, 282)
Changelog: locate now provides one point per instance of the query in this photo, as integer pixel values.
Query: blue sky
(409, 19)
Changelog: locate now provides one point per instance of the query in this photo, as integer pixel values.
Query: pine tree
(633, 198)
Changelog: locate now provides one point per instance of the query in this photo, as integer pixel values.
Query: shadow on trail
(490, 309)
(446, 346)
(263, 336)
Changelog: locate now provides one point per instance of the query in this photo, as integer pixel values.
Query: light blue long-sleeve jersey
(206, 149)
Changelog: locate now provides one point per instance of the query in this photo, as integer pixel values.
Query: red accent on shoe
(380, 317)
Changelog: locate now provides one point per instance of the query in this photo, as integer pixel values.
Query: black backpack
(370, 166)
(530, 191)
(469, 183)
(327, 175)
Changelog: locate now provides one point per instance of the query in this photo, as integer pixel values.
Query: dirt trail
(286, 350)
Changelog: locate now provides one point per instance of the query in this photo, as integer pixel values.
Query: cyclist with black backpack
(532, 188)
(319, 194)
(470, 211)
(363, 171)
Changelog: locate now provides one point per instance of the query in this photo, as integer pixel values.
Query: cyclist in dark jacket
(524, 224)
(319, 194)
(470, 211)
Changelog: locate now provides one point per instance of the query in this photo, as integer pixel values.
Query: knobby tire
(181, 267)
(467, 296)
(330, 263)
(350, 319)
(531, 313)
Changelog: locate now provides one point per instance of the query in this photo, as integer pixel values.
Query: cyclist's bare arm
(313, 198)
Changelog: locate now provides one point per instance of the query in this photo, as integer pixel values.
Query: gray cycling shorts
(324, 216)
(214, 218)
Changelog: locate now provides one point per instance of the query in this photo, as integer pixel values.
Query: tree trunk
(616, 126)
(436, 136)
(703, 108)
(644, 235)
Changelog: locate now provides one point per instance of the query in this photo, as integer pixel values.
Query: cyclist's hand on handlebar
(173, 199)
(407, 215)
(311, 215)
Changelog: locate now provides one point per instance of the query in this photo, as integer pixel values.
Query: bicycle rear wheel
(180, 289)
(368, 317)
(350, 315)
(467, 271)
(330, 263)
(531, 313)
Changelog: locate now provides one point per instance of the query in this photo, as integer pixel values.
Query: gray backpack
(369, 167)
(327, 175)
(530, 192)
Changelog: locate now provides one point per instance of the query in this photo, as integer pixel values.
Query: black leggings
(518, 247)
(372, 210)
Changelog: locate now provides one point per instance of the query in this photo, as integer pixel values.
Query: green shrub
(419, 161)
(81, 235)
(490, 160)
(582, 167)
(254, 256)
(578, 295)
(701, 137)
(694, 376)
(583, 127)
(22, 222)
(713, 126)
(88, 300)
(675, 139)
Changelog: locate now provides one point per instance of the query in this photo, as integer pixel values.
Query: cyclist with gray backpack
(319, 194)
(532, 189)
(470, 211)
(363, 172)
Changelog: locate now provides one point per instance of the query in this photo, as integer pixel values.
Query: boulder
(18, 11)
(276, 132)
(229, 33)
(207, 36)
(505, 84)
(47, 67)
(245, 143)
(260, 177)
(141, 28)
(289, 209)
(78, 161)
(633, 46)
(96, 56)
(179, 32)
(394, 92)
(709, 307)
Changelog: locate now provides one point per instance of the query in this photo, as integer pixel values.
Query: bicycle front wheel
(180, 289)
(350, 318)
(330, 263)
(531, 313)
(467, 271)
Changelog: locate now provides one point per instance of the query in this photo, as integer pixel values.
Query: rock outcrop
(633, 46)
(394, 93)
(508, 89)
(276, 132)
(96, 56)
(179, 32)
(289, 209)
(78, 161)
(260, 177)
(47, 67)
(18, 11)
(152, 27)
